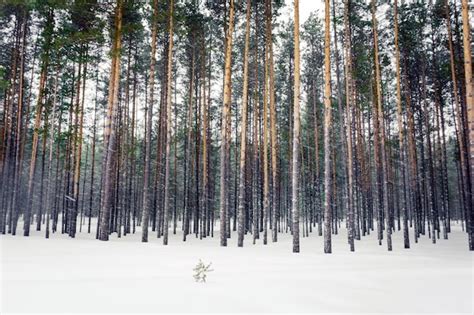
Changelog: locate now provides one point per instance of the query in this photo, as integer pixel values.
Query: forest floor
(61, 274)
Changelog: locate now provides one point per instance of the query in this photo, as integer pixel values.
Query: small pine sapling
(201, 270)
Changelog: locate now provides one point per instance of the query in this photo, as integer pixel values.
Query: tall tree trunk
(414, 192)
(431, 193)
(50, 158)
(470, 109)
(273, 127)
(243, 134)
(340, 110)
(266, 179)
(327, 130)
(401, 142)
(168, 125)
(380, 113)
(256, 137)
(204, 134)
(187, 144)
(110, 141)
(18, 141)
(350, 99)
(296, 133)
(39, 111)
(94, 135)
(148, 115)
(457, 112)
(225, 130)
(78, 143)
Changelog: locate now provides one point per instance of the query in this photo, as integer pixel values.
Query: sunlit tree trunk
(243, 134)
(327, 130)
(470, 109)
(256, 138)
(225, 128)
(460, 130)
(350, 99)
(110, 132)
(380, 112)
(273, 128)
(78, 143)
(296, 132)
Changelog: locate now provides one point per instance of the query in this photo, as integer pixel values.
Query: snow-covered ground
(125, 275)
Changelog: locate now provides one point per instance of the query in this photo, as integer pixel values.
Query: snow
(82, 275)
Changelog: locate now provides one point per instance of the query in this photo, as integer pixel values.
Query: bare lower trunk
(327, 132)
(467, 40)
(243, 135)
(225, 128)
(296, 134)
(110, 132)
(168, 127)
(148, 115)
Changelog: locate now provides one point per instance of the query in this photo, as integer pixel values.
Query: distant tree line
(180, 116)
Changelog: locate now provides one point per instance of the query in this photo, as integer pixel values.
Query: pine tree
(327, 131)
(168, 124)
(225, 128)
(296, 135)
(470, 110)
(149, 115)
(243, 134)
(110, 144)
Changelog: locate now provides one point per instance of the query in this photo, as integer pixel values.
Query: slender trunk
(39, 111)
(110, 141)
(349, 104)
(327, 130)
(470, 111)
(380, 112)
(243, 134)
(296, 134)
(50, 158)
(273, 127)
(78, 143)
(19, 124)
(401, 142)
(168, 126)
(225, 130)
(256, 138)
(148, 115)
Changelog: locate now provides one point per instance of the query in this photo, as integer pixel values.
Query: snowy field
(124, 275)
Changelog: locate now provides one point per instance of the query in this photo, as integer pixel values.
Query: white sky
(306, 7)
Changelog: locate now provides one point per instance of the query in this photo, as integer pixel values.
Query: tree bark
(327, 130)
(380, 113)
(110, 144)
(243, 134)
(470, 109)
(273, 127)
(148, 115)
(168, 126)
(225, 128)
(350, 99)
(401, 142)
(296, 133)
